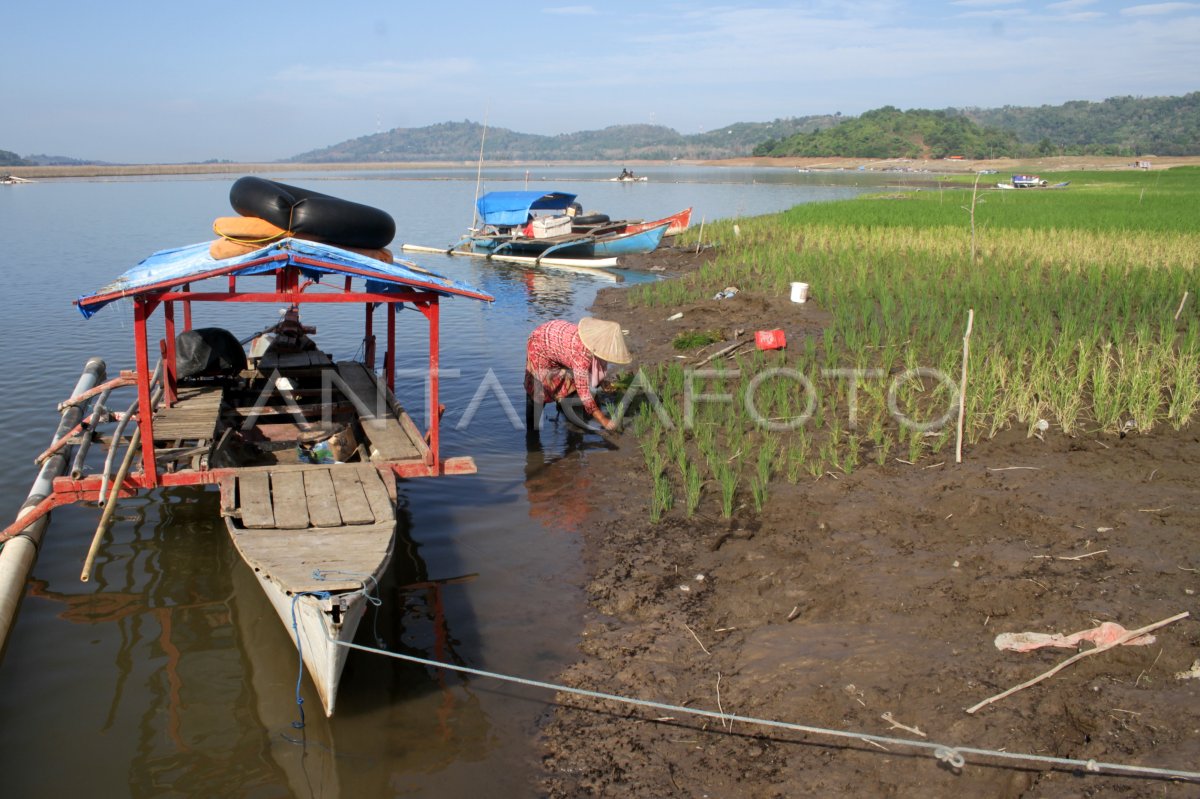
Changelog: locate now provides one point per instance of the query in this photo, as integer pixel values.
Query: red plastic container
(770, 339)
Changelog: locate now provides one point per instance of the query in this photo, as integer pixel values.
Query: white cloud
(1158, 9)
(984, 3)
(1071, 5)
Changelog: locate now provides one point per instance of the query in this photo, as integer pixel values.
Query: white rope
(952, 756)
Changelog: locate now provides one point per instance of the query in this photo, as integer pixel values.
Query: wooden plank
(322, 502)
(388, 440)
(351, 498)
(377, 495)
(290, 556)
(288, 501)
(254, 500)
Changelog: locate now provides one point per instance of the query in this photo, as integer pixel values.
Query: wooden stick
(700, 240)
(962, 388)
(1181, 302)
(1129, 636)
(721, 352)
(110, 507)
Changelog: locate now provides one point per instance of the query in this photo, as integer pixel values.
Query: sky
(129, 81)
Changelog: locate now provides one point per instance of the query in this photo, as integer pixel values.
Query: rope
(368, 594)
(953, 756)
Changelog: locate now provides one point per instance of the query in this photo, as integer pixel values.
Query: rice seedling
(693, 484)
(694, 339)
(1075, 297)
(728, 476)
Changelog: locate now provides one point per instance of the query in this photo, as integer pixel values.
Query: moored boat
(305, 449)
(1028, 182)
(547, 224)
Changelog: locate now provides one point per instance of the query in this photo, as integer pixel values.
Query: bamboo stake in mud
(962, 386)
(1181, 304)
(700, 240)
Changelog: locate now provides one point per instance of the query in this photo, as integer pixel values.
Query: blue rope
(370, 594)
(299, 724)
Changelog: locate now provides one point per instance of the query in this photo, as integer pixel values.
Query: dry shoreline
(940, 166)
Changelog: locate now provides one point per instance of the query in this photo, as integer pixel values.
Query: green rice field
(1080, 328)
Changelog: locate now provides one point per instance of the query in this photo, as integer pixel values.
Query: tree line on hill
(1122, 126)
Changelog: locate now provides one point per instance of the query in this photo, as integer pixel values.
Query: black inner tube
(312, 214)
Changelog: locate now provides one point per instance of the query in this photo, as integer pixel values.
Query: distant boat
(13, 180)
(628, 177)
(1028, 182)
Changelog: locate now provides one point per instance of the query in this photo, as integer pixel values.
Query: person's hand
(612, 425)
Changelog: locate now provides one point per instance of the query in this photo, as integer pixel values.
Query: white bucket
(799, 292)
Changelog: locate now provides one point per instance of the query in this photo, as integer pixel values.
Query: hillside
(8, 158)
(889, 132)
(459, 141)
(1117, 126)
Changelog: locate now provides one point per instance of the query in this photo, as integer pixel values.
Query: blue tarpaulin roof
(170, 268)
(513, 207)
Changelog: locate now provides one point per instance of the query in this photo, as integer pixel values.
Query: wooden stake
(962, 388)
(1181, 304)
(700, 241)
(1129, 636)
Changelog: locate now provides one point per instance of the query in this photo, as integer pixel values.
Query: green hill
(1117, 126)
(459, 141)
(8, 158)
(889, 132)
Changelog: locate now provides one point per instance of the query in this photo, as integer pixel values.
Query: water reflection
(205, 676)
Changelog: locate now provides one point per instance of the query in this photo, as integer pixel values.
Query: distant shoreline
(938, 166)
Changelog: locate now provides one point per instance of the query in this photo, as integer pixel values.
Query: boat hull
(631, 243)
(579, 247)
(318, 578)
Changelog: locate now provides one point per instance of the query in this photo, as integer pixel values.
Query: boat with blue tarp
(305, 449)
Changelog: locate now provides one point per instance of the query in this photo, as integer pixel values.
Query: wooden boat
(537, 224)
(676, 223)
(1028, 182)
(304, 449)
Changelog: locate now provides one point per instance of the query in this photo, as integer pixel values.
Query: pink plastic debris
(1106, 633)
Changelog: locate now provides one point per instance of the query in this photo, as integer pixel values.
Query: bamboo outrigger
(318, 534)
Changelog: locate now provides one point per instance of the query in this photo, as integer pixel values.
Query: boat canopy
(513, 207)
(168, 269)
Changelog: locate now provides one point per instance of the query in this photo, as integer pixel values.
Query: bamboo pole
(700, 239)
(110, 506)
(962, 386)
(19, 552)
(587, 266)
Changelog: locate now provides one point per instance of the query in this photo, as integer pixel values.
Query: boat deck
(202, 417)
(292, 521)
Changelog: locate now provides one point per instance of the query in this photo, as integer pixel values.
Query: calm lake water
(169, 674)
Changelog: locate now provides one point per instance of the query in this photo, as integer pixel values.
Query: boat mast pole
(479, 174)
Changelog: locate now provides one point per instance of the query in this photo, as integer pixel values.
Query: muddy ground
(881, 593)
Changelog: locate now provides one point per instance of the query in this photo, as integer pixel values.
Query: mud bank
(880, 593)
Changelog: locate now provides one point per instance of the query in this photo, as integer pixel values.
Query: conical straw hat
(604, 339)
